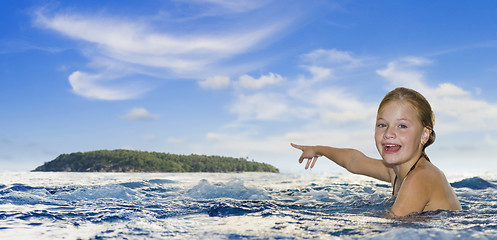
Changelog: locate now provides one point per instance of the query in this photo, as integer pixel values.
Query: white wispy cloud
(304, 97)
(260, 106)
(247, 81)
(235, 6)
(215, 82)
(140, 114)
(92, 86)
(319, 73)
(117, 45)
(332, 57)
(405, 72)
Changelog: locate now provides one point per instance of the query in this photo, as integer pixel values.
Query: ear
(426, 135)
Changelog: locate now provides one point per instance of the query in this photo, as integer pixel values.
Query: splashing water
(229, 206)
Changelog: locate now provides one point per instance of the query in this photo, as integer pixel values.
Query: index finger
(297, 146)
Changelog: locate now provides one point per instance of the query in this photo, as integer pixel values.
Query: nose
(389, 133)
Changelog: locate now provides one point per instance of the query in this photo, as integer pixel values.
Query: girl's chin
(389, 159)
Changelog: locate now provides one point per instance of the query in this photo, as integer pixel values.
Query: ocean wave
(109, 192)
(23, 194)
(161, 181)
(20, 194)
(239, 208)
(232, 189)
(475, 183)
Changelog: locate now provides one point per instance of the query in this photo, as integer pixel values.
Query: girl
(404, 128)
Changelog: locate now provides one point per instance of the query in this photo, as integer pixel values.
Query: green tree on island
(140, 161)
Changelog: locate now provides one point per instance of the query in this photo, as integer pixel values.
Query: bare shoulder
(426, 176)
(416, 191)
(432, 183)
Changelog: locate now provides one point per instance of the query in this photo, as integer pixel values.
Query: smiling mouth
(391, 148)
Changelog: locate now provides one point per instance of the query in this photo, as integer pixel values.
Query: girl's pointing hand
(309, 153)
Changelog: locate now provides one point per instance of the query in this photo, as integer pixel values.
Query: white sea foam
(106, 192)
(232, 189)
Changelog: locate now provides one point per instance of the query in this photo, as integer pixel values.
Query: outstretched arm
(352, 160)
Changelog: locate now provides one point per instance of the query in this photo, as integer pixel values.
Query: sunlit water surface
(230, 206)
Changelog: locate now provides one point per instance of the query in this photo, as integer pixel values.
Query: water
(229, 206)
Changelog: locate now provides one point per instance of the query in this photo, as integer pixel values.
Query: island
(141, 161)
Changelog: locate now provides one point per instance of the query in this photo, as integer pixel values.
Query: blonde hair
(420, 104)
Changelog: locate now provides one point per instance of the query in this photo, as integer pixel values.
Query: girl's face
(399, 134)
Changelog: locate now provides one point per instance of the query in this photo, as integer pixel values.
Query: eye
(381, 125)
(402, 126)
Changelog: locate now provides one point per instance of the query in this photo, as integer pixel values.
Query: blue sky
(242, 78)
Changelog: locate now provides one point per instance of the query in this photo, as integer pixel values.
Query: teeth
(388, 146)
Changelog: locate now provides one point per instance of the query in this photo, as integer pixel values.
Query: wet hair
(420, 104)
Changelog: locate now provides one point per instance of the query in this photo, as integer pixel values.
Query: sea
(304, 205)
